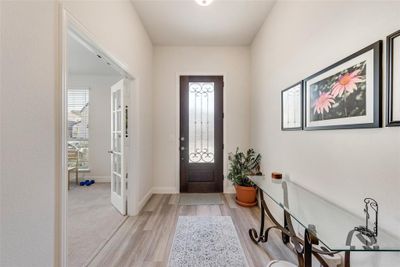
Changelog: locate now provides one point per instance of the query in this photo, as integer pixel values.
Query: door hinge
(223, 146)
(223, 115)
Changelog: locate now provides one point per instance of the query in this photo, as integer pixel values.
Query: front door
(118, 137)
(201, 134)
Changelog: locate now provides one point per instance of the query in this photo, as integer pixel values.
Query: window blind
(78, 114)
(78, 124)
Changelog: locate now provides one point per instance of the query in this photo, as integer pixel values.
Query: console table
(329, 229)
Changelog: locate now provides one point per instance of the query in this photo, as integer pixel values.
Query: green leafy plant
(242, 165)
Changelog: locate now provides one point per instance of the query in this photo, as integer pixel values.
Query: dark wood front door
(201, 134)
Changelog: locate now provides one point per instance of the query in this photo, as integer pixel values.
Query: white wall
(169, 63)
(99, 122)
(29, 111)
(297, 40)
(28, 131)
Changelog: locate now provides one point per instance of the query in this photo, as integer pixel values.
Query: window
(201, 122)
(78, 124)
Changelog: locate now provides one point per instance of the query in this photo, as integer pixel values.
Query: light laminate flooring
(146, 239)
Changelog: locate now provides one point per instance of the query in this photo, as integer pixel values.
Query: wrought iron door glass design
(201, 122)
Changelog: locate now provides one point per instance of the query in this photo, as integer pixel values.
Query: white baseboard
(165, 190)
(145, 199)
(86, 176)
(171, 190)
(230, 191)
(101, 179)
(228, 187)
(155, 190)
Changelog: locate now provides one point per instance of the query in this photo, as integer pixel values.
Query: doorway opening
(201, 134)
(96, 144)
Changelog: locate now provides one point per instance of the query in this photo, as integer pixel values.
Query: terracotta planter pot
(246, 196)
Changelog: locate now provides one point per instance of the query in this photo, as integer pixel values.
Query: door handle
(110, 152)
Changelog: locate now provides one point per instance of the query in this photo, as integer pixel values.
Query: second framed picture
(347, 94)
(292, 108)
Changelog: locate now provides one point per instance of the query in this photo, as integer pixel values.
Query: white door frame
(69, 24)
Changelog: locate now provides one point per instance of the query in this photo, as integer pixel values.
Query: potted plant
(242, 165)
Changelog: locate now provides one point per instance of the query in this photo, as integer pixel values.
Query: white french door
(118, 141)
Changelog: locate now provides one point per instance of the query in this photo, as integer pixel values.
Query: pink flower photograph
(323, 103)
(341, 95)
(346, 83)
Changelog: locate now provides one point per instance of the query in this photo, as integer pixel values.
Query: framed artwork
(347, 94)
(393, 79)
(292, 108)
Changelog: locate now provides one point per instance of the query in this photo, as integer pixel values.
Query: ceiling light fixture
(204, 2)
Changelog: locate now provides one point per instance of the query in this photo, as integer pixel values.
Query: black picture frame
(283, 128)
(390, 121)
(377, 90)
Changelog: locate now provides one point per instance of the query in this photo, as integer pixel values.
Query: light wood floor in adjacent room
(146, 239)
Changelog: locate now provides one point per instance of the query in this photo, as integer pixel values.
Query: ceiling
(184, 22)
(82, 60)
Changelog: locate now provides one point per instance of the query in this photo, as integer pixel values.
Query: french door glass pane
(201, 122)
(118, 121)
(117, 184)
(117, 163)
(117, 100)
(117, 142)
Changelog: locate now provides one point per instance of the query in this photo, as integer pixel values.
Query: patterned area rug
(200, 199)
(206, 242)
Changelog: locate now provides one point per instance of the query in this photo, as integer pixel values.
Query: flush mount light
(204, 2)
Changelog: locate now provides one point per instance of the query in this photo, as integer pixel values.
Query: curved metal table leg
(309, 241)
(303, 251)
(259, 237)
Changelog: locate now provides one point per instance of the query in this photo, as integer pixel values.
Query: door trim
(216, 185)
(177, 124)
(67, 23)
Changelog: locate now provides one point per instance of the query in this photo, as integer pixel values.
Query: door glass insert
(117, 142)
(118, 121)
(117, 184)
(117, 163)
(117, 100)
(201, 122)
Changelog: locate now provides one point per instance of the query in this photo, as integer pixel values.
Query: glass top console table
(329, 229)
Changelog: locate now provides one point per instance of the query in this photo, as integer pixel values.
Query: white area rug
(200, 199)
(205, 242)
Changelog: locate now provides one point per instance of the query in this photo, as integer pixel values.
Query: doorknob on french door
(110, 151)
